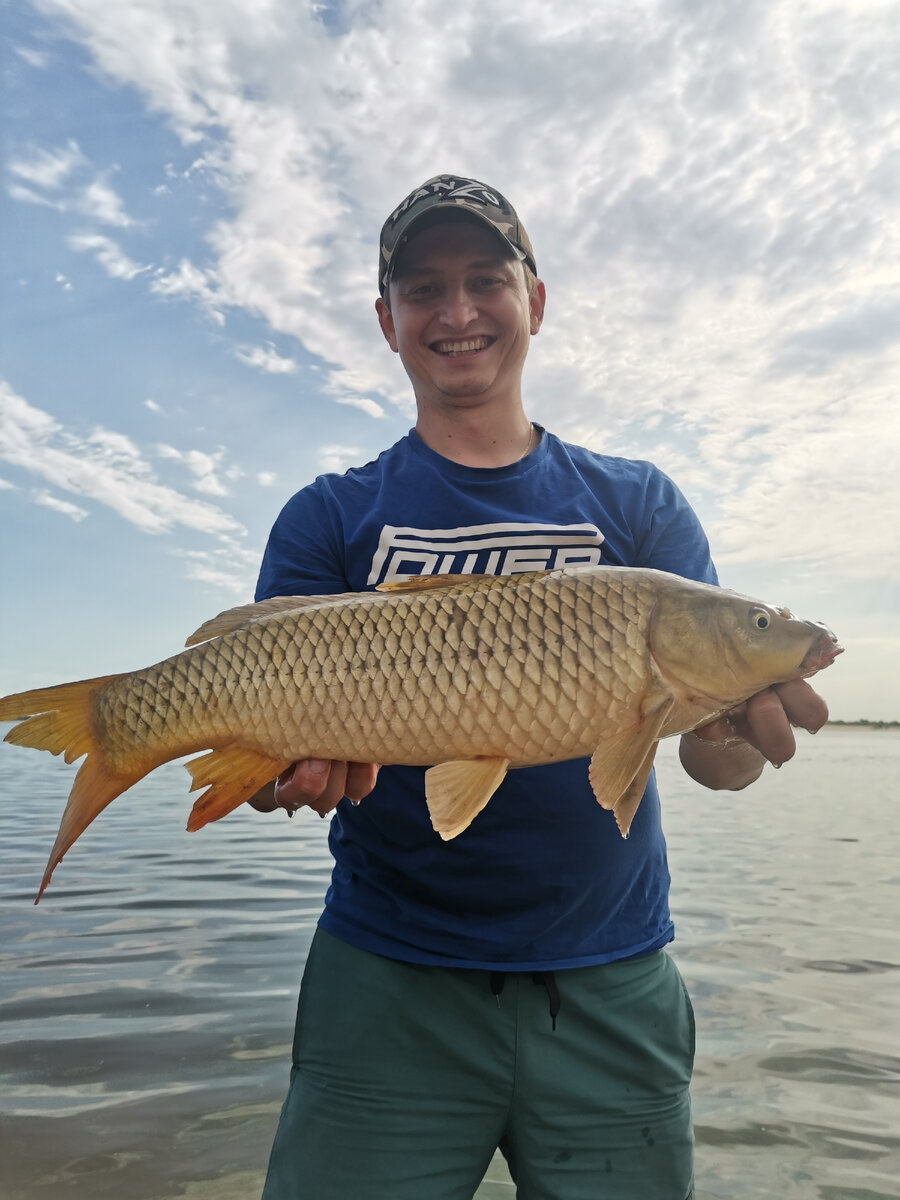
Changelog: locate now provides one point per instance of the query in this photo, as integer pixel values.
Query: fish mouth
(454, 347)
(822, 652)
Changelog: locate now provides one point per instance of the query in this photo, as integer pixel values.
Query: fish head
(722, 645)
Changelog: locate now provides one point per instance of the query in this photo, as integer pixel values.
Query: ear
(536, 302)
(386, 321)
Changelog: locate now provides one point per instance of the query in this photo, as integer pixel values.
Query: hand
(319, 783)
(766, 720)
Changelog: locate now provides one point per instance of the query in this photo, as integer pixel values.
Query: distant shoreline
(865, 724)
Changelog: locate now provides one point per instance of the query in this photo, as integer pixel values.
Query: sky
(192, 195)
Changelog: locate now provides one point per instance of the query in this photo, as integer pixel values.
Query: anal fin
(231, 775)
(457, 791)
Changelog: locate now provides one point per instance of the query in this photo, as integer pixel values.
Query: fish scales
(467, 676)
(426, 669)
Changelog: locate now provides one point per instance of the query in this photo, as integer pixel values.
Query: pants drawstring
(545, 979)
(548, 980)
(496, 982)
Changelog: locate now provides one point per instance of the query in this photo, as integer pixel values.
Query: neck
(476, 439)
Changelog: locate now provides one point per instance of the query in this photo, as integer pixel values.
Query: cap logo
(452, 190)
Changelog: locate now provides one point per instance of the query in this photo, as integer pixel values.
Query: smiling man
(509, 988)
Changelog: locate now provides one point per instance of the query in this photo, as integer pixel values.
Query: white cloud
(100, 202)
(5, 485)
(48, 500)
(103, 466)
(202, 466)
(191, 283)
(108, 253)
(230, 565)
(44, 171)
(266, 478)
(337, 458)
(153, 406)
(713, 204)
(48, 168)
(268, 360)
(28, 196)
(35, 58)
(363, 403)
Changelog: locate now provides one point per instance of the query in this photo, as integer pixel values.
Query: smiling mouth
(469, 346)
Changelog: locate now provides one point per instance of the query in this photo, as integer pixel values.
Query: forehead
(452, 243)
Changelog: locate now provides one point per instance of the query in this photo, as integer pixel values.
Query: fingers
(804, 707)
(767, 719)
(769, 728)
(360, 780)
(319, 784)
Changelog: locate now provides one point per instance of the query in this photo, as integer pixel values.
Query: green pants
(406, 1079)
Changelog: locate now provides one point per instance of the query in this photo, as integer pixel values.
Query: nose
(458, 308)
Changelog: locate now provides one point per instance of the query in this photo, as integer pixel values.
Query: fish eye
(759, 618)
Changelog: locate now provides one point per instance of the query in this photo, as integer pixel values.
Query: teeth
(462, 347)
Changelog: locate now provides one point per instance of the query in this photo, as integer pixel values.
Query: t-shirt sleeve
(672, 538)
(303, 556)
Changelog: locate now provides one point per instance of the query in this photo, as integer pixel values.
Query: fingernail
(355, 803)
(289, 811)
(777, 766)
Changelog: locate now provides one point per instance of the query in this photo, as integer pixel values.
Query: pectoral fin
(627, 757)
(627, 804)
(231, 775)
(456, 792)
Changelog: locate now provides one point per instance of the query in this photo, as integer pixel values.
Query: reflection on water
(146, 1005)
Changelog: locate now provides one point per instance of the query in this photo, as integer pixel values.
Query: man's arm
(731, 751)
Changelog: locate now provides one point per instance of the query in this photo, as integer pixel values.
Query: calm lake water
(147, 1004)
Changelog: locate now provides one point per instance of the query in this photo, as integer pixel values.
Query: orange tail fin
(59, 720)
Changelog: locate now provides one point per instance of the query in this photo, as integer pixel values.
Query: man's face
(461, 316)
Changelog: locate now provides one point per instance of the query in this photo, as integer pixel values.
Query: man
(508, 988)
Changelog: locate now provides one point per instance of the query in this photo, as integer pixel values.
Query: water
(146, 1005)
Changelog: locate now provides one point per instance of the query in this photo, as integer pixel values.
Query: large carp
(469, 675)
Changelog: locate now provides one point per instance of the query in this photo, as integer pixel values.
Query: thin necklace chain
(531, 443)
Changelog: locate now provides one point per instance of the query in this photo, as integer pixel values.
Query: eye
(760, 618)
(420, 291)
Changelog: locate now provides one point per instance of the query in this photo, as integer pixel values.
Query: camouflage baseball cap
(453, 193)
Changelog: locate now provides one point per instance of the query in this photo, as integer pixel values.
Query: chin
(460, 388)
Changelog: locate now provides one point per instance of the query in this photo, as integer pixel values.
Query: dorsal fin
(417, 583)
(421, 583)
(246, 614)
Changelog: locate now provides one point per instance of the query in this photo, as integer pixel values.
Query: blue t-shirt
(541, 879)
